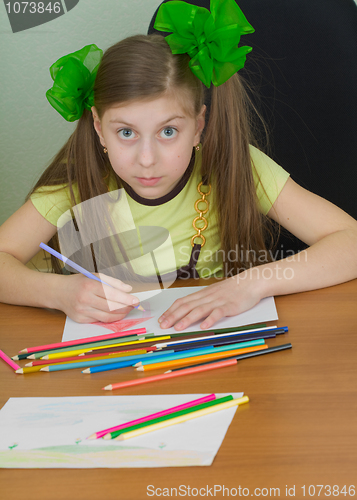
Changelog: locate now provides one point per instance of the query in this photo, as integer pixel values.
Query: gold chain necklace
(200, 216)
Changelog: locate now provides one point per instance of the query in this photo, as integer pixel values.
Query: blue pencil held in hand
(77, 267)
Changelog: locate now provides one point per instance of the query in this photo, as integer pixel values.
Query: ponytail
(226, 161)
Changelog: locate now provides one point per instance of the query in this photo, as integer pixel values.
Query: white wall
(31, 131)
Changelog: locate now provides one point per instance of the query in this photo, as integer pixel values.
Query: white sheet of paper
(156, 305)
(51, 432)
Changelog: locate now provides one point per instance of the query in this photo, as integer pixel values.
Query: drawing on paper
(52, 433)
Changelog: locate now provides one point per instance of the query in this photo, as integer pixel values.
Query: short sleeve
(52, 201)
(269, 179)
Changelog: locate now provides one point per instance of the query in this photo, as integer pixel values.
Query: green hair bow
(209, 38)
(73, 77)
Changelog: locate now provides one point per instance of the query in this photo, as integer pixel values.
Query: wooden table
(299, 429)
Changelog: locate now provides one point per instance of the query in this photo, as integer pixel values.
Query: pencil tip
(23, 351)
(107, 436)
(93, 436)
(15, 358)
(29, 364)
(45, 369)
(139, 369)
(87, 370)
(20, 370)
(107, 388)
(32, 356)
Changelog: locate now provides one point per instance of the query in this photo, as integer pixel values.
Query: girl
(144, 128)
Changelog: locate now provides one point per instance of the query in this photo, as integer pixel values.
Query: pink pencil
(205, 399)
(9, 361)
(137, 331)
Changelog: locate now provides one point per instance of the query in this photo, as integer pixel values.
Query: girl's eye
(126, 133)
(169, 132)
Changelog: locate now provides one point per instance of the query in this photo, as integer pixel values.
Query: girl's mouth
(151, 181)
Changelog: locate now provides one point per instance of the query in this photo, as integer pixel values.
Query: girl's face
(149, 143)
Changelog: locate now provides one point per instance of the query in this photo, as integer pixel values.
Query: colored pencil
(28, 369)
(175, 334)
(169, 416)
(221, 336)
(219, 342)
(82, 348)
(223, 330)
(105, 345)
(161, 413)
(112, 359)
(276, 348)
(86, 340)
(166, 376)
(74, 359)
(173, 355)
(193, 360)
(203, 350)
(183, 418)
(77, 267)
(111, 366)
(8, 360)
(81, 357)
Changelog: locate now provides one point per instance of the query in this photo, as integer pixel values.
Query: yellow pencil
(182, 418)
(80, 351)
(76, 359)
(29, 369)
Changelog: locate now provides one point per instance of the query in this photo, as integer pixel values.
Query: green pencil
(113, 435)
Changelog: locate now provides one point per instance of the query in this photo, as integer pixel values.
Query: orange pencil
(197, 359)
(163, 376)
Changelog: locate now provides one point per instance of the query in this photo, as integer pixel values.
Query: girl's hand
(227, 298)
(86, 300)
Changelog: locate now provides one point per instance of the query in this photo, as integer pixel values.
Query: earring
(105, 150)
(197, 148)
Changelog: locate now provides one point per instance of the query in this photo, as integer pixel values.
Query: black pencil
(241, 356)
(218, 342)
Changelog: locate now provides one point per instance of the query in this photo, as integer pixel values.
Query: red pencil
(163, 376)
(87, 340)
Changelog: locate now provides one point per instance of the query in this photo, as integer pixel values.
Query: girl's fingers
(189, 312)
(113, 301)
(116, 293)
(104, 311)
(184, 305)
(115, 283)
(193, 299)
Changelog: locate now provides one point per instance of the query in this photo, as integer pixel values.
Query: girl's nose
(147, 153)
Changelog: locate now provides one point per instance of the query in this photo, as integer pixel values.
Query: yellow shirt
(175, 216)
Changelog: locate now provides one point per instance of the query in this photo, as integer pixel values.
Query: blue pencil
(199, 352)
(77, 267)
(112, 359)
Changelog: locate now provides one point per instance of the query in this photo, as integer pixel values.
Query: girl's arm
(82, 299)
(330, 259)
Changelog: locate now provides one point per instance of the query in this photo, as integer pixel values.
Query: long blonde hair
(143, 67)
